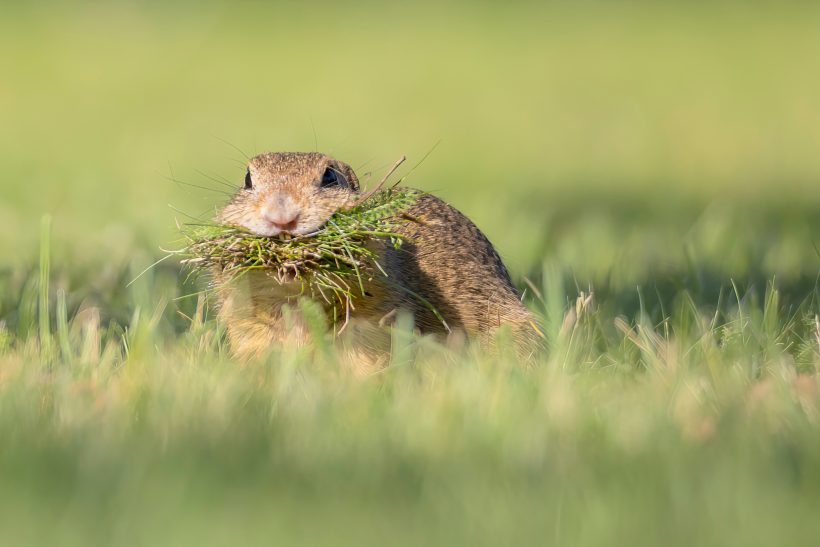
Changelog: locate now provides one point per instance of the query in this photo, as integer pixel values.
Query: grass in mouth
(332, 262)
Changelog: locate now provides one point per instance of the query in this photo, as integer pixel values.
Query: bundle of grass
(332, 262)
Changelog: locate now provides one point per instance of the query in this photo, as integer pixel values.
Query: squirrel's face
(291, 192)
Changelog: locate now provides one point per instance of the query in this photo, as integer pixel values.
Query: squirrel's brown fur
(444, 264)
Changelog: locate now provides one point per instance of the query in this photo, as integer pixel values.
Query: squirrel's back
(449, 276)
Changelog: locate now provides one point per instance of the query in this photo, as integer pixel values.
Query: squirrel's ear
(350, 175)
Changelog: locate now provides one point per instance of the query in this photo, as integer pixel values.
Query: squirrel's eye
(248, 181)
(331, 177)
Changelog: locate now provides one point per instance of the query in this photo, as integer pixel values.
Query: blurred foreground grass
(701, 429)
(663, 156)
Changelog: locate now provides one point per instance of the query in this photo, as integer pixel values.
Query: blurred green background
(591, 134)
(656, 152)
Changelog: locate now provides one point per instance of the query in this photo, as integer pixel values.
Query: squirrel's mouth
(293, 229)
(275, 229)
(290, 226)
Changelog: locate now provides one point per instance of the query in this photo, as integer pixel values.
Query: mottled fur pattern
(446, 273)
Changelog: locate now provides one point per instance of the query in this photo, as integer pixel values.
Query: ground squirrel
(444, 264)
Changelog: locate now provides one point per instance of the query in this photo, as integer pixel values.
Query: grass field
(664, 158)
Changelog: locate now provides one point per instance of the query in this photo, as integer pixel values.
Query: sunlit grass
(332, 264)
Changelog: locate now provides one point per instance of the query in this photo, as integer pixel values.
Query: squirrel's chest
(258, 294)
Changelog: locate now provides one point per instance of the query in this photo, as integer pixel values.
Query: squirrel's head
(291, 192)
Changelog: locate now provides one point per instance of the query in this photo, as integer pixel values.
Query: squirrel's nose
(284, 220)
(281, 212)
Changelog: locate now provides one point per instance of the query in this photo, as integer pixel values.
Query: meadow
(661, 158)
